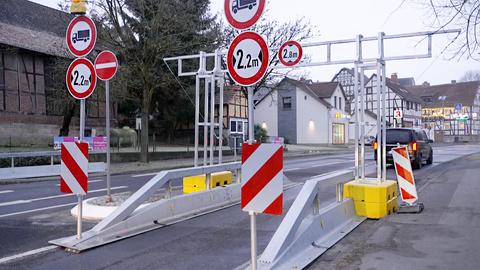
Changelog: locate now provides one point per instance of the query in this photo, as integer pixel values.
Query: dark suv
(419, 148)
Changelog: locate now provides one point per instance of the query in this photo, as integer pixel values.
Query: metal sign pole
(107, 131)
(197, 118)
(362, 123)
(80, 197)
(220, 122)
(205, 125)
(212, 118)
(253, 221)
(356, 88)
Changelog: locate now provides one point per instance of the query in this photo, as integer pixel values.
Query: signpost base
(415, 208)
(79, 216)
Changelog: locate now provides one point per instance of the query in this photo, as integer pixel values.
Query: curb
(92, 212)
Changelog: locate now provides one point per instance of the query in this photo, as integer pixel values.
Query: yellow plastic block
(370, 192)
(376, 210)
(197, 183)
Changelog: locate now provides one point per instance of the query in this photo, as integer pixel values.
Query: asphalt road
(31, 214)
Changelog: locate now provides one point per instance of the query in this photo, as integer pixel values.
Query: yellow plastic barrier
(372, 200)
(197, 183)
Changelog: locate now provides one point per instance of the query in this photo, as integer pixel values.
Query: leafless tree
(470, 76)
(464, 14)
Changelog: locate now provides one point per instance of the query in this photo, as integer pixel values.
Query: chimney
(454, 81)
(394, 77)
(425, 83)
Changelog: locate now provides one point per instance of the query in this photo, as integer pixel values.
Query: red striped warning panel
(74, 168)
(406, 181)
(262, 178)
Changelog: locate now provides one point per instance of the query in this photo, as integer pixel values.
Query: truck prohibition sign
(243, 14)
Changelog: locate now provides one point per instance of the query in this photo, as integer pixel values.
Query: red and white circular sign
(81, 78)
(106, 65)
(243, 14)
(247, 58)
(81, 36)
(290, 53)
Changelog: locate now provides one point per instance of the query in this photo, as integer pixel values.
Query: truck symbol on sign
(242, 4)
(81, 35)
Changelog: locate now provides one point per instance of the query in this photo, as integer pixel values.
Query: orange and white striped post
(406, 181)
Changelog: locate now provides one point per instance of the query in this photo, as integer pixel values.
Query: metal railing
(52, 169)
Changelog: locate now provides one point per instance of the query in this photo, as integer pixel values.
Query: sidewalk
(446, 235)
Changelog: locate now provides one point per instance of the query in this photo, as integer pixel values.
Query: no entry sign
(81, 78)
(106, 65)
(81, 36)
(243, 14)
(290, 53)
(247, 58)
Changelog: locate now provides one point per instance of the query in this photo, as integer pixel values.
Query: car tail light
(413, 146)
(375, 146)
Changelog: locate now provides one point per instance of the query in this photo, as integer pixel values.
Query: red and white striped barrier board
(406, 181)
(74, 168)
(262, 178)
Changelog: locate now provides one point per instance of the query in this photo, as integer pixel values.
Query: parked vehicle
(81, 35)
(415, 139)
(369, 140)
(242, 4)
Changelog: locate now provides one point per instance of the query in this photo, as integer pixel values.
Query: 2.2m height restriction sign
(81, 78)
(247, 58)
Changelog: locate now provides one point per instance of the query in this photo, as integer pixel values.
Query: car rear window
(398, 136)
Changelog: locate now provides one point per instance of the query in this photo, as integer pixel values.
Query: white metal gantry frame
(216, 75)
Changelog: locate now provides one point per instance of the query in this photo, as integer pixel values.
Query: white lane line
(142, 175)
(316, 166)
(6, 191)
(25, 254)
(55, 196)
(38, 209)
(14, 202)
(292, 169)
(93, 181)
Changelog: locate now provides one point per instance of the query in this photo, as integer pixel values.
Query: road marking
(55, 196)
(6, 191)
(329, 175)
(38, 209)
(142, 175)
(25, 254)
(315, 166)
(93, 181)
(14, 202)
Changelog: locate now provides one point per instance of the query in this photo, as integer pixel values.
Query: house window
(335, 102)
(237, 126)
(339, 103)
(287, 103)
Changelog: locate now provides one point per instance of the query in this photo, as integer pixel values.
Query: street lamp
(78, 7)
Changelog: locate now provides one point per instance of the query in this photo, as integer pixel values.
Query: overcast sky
(338, 19)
